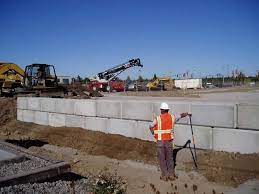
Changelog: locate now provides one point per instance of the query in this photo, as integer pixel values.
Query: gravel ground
(16, 168)
(81, 186)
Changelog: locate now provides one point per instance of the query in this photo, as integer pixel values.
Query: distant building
(66, 80)
(188, 83)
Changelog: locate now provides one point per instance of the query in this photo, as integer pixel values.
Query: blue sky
(170, 37)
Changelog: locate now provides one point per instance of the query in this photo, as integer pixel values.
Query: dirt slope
(7, 110)
(221, 167)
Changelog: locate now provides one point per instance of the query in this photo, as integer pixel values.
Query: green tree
(79, 79)
(128, 80)
(241, 77)
(86, 80)
(140, 79)
(154, 77)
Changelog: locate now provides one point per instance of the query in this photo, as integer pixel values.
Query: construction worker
(163, 130)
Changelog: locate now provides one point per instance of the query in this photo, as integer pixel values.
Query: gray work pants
(165, 157)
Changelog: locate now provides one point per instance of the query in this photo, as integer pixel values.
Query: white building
(66, 80)
(188, 83)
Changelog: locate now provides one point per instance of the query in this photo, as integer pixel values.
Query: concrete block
(6, 156)
(213, 115)
(74, 121)
(48, 104)
(96, 124)
(108, 109)
(22, 103)
(28, 116)
(137, 110)
(34, 103)
(248, 116)
(175, 108)
(19, 115)
(202, 136)
(65, 106)
(57, 120)
(85, 107)
(127, 128)
(143, 132)
(236, 140)
(41, 118)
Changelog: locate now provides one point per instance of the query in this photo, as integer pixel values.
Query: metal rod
(190, 116)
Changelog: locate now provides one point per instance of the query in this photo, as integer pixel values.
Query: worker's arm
(182, 115)
(152, 125)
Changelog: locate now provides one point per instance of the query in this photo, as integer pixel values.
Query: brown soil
(90, 142)
(230, 169)
(227, 168)
(97, 143)
(7, 110)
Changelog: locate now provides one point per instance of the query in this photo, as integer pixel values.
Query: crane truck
(107, 80)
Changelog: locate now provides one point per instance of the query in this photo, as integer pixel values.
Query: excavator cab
(40, 76)
(41, 80)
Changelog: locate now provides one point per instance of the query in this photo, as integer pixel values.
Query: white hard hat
(164, 106)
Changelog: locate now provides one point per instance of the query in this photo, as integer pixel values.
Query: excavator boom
(111, 73)
(5, 68)
(105, 81)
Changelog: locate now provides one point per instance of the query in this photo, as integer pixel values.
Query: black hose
(175, 151)
(190, 116)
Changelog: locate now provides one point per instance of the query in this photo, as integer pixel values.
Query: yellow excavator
(41, 80)
(35, 80)
(11, 77)
(161, 83)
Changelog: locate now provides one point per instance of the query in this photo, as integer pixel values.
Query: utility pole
(223, 81)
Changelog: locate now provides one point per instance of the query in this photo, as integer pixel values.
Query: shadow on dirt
(27, 143)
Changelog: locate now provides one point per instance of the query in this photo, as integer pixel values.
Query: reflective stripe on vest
(173, 120)
(161, 131)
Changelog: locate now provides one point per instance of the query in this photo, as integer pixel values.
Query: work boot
(171, 178)
(164, 178)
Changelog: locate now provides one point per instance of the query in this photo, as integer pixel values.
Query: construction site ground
(231, 94)
(93, 153)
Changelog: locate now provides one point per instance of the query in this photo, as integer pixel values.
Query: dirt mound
(227, 168)
(97, 143)
(7, 110)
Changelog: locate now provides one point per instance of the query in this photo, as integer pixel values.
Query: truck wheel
(108, 88)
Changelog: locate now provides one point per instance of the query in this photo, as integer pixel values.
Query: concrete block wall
(108, 109)
(213, 124)
(248, 116)
(137, 110)
(202, 135)
(235, 140)
(96, 124)
(57, 120)
(213, 115)
(41, 118)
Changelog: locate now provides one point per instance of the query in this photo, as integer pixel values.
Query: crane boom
(111, 73)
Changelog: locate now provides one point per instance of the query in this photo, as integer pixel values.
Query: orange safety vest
(164, 129)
